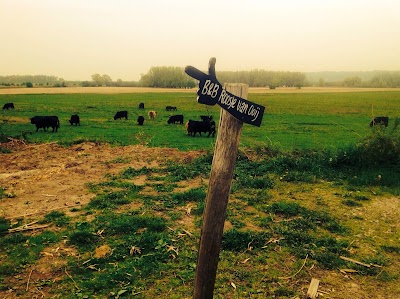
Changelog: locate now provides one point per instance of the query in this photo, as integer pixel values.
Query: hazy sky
(74, 39)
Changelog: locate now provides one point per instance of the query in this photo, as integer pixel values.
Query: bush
(380, 148)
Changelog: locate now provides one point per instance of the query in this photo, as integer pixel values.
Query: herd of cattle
(205, 125)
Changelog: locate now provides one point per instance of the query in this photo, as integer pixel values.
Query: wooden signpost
(236, 109)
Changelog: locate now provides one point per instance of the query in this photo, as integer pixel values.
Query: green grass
(314, 120)
(305, 139)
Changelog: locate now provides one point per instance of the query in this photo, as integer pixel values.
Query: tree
(352, 82)
(107, 80)
(98, 79)
(167, 77)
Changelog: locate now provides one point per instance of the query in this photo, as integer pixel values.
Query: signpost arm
(225, 154)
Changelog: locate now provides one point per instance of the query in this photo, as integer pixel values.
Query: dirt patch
(41, 178)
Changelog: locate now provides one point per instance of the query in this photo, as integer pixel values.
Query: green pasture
(292, 120)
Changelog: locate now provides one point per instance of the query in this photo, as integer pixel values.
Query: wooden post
(225, 154)
(313, 289)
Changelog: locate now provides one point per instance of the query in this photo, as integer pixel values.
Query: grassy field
(304, 203)
(292, 120)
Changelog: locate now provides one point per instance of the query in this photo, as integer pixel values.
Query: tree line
(355, 79)
(175, 77)
(29, 80)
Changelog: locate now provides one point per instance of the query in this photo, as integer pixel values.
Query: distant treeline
(175, 77)
(33, 79)
(355, 79)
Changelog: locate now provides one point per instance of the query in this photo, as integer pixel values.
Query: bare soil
(40, 178)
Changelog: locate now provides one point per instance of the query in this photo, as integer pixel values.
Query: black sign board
(211, 92)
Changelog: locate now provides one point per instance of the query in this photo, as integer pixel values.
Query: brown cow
(152, 114)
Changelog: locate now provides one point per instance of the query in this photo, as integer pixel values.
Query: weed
(376, 262)
(245, 181)
(328, 260)
(110, 200)
(130, 172)
(192, 195)
(59, 218)
(200, 166)
(4, 225)
(361, 197)
(3, 193)
(84, 239)
(391, 249)
(119, 160)
(254, 197)
(175, 215)
(164, 187)
(117, 224)
(286, 208)
(322, 219)
(236, 240)
(283, 291)
(200, 207)
(4, 150)
(351, 203)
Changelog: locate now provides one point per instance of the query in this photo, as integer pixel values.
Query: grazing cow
(140, 120)
(121, 114)
(141, 105)
(379, 120)
(170, 108)
(46, 122)
(175, 119)
(206, 118)
(8, 106)
(152, 114)
(74, 120)
(195, 126)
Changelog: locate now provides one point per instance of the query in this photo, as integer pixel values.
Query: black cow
(170, 108)
(74, 120)
(141, 106)
(379, 120)
(121, 114)
(46, 122)
(8, 106)
(206, 118)
(140, 120)
(195, 126)
(175, 119)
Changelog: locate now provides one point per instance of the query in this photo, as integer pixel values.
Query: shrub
(380, 148)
